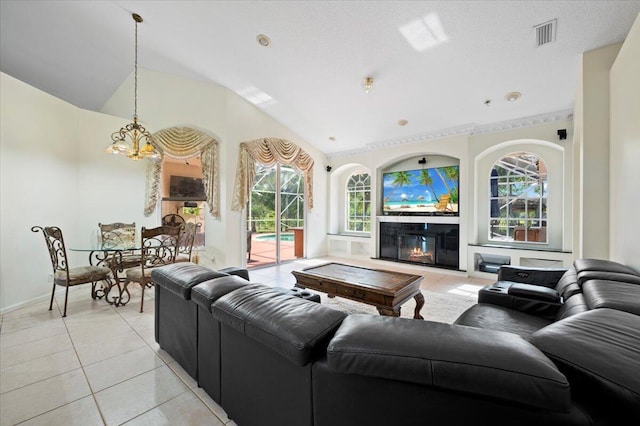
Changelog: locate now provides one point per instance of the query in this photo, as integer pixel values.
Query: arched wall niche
(554, 156)
(337, 195)
(182, 143)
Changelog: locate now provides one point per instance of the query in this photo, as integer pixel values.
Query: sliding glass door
(275, 216)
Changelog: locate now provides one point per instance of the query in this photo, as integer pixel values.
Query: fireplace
(432, 244)
(417, 248)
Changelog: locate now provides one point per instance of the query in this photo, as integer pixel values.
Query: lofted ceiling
(467, 52)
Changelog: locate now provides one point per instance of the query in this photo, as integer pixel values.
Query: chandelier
(129, 139)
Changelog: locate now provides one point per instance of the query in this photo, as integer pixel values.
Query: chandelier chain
(135, 76)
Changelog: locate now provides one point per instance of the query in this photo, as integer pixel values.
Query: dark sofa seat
(566, 353)
(176, 318)
(599, 351)
(500, 318)
(208, 331)
(382, 370)
(269, 340)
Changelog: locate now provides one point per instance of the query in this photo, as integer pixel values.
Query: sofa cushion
(600, 348)
(612, 294)
(568, 284)
(602, 265)
(178, 278)
(572, 306)
(484, 362)
(205, 293)
(499, 318)
(534, 292)
(234, 270)
(295, 328)
(585, 276)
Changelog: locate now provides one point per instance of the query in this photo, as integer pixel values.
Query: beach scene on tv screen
(425, 191)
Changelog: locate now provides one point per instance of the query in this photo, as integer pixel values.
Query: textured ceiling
(81, 51)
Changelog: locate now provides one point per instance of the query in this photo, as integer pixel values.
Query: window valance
(182, 143)
(269, 151)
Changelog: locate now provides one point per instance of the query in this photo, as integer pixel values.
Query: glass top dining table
(116, 257)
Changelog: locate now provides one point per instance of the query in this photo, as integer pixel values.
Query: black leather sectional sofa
(542, 347)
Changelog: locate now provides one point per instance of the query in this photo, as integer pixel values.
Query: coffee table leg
(419, 304)
(390, 312)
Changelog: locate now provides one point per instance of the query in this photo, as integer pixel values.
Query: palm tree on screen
(425, 179)
(399, 180)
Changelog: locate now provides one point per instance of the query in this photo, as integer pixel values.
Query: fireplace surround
(429, 244)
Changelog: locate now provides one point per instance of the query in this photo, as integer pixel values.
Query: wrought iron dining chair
(120, 234)
(159, 247)
(173, 220)
(187, 239)
(62, 274)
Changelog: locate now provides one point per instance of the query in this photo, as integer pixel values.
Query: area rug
(438, 307)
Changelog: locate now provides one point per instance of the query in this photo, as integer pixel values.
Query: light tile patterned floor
(101, 364)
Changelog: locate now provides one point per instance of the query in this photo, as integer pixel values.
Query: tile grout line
(189, 389)
(93, 395)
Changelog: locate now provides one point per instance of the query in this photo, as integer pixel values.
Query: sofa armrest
(535, 292)
(547, 277)
(487, 363)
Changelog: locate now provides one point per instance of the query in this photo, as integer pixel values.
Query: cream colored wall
(53, 171)
(542, 140)
(624, 190)
(476, 154)
(167, 101)
(593, 143)
(38, 185)
(247, 122)
(379, 159)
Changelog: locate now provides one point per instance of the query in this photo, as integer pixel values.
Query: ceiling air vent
(546, 33)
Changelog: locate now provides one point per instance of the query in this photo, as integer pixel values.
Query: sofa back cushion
(295, 328)
(599, 351)
(488, 363)
(602, 265)
(205, 293)
(568, 284)
(612, 294)
(179, 278)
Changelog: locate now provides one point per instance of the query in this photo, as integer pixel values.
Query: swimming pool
(272, 237)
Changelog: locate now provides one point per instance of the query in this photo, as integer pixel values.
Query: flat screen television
(423, 192)
(186, 187)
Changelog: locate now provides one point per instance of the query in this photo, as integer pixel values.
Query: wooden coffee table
(386, 290)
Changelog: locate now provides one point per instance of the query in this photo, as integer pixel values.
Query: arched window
(518, 199)
(358, 199)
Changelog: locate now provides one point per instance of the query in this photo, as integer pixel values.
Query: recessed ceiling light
(263, 40)
(512, 96)
(332, 138)
(402, 122)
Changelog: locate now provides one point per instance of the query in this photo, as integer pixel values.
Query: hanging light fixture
(129, 139)
(367, 84)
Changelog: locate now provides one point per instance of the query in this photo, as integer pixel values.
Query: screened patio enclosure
(275, 216)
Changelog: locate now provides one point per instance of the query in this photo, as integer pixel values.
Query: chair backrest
(117, 233)
(173, 220)
(159, 245)
(55, 245)
(187, 238)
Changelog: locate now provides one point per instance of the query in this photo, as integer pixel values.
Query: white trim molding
(466, 129)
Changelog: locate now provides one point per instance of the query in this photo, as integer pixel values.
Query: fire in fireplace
(417, 248)
(429, 244)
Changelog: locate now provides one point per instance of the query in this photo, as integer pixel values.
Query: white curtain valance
(268, 152)
(182, 143)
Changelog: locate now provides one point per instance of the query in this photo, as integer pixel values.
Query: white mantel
(420, 219)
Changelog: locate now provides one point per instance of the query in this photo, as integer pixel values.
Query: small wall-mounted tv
(423, 192)
(186, 187)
